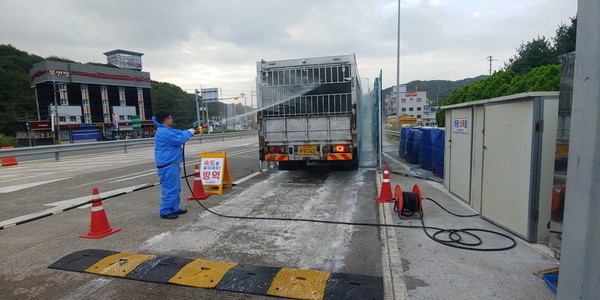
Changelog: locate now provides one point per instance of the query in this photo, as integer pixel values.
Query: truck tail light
(341, 148)
(274, 150)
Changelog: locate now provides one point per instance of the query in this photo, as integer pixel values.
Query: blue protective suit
(168, 153)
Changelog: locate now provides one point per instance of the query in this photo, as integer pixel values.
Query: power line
(460, 68)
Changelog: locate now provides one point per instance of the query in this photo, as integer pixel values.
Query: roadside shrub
(6, 141)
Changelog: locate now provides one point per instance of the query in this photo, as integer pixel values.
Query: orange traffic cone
(555, 201)
(385, 195)
(99, 227)
(198, 190)
(8, 161)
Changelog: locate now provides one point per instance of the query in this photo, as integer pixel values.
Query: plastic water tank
(437, 155)
(413, 146)
(403, 139)
(427, 138)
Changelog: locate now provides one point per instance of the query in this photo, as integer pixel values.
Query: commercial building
(412, 104)
(78, 102)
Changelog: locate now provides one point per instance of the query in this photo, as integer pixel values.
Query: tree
(564, 42)
(533, 54)
(171, 98)
(17, 98)
(541, 51)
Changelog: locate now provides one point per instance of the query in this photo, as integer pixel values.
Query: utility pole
(490, 60)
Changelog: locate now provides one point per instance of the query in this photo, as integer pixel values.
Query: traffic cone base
(99, 226)
(99, 235)
(198, 190)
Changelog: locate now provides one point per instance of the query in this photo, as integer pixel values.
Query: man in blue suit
(168, 154)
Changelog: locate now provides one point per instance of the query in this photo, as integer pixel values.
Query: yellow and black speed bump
(159, 269)
(353, 286)
(250, 279)
(81, 260)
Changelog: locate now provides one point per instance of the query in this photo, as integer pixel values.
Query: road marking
(393, 273)
(13, 188)
(63, 205)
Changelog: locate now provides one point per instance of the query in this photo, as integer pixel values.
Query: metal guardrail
(392, 132)
(57, 149)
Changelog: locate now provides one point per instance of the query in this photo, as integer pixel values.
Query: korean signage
(59, 73)
(135, 121)
(210, 95)
(461, 125)
(411, 94)
(211, 171)
(125, 61)
(214, 171)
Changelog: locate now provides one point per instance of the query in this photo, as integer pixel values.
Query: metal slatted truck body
(307, 110)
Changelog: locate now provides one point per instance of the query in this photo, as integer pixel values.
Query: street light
(197, 107)
(243, 95)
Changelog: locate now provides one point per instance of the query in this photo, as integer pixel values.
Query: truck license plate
(307, 150)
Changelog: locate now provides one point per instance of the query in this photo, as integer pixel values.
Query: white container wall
(501, 159)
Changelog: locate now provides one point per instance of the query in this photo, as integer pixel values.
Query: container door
(459, 157)
(507, 165)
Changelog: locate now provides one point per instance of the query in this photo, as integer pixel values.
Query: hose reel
(408, 203)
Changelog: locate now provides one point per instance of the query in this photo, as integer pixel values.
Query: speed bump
(299, 284)
(119, 264)
(233, 277)
(158, 269)
(202, 273)
(249, 279)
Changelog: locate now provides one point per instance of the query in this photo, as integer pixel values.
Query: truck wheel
(354, 164)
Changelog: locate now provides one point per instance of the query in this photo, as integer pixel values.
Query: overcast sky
(216, 43)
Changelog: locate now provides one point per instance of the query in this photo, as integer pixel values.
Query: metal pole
(57, 137)
(252, 108)
(245, 110)
(197, 109)
(398, 67)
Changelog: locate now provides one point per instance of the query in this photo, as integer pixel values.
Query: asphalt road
(314, 193)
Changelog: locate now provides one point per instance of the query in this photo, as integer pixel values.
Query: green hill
(436, 89)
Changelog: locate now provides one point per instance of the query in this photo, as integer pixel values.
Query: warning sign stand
(214, 172)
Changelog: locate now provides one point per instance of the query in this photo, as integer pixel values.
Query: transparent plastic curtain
(369, 126)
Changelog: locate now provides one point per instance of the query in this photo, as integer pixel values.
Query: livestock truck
(307, 111)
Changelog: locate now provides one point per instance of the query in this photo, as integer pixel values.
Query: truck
(307, 111)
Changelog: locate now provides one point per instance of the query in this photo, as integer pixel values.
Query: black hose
(453, 233)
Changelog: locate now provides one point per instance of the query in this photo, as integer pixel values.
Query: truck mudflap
(339, 156)
(276, 157)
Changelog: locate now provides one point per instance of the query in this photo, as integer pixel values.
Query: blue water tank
(437, 155)
(403, 139)
(427, 138)
(413, 145)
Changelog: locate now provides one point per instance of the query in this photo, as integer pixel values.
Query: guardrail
(57, 149)
(392, 132)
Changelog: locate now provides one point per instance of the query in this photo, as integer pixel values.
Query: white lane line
(133, 177)
(393, 272)
(64, 204)
(13, 188)
(60, 206)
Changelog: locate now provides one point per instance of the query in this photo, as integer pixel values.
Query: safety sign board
(214, 171)
(461, 125)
